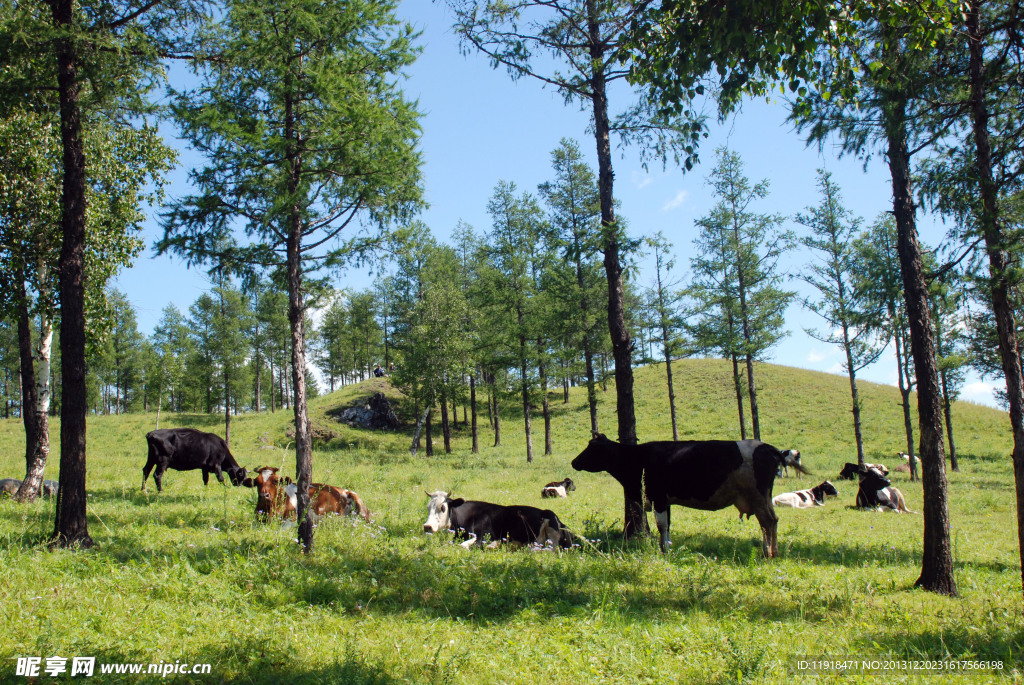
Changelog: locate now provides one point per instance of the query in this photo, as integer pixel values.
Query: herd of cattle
(698, 474)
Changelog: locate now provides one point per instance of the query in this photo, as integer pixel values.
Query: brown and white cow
(278, 497)
(699, 474)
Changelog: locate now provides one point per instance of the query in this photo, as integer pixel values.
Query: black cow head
(873, 480)
(828, 490)
(601, 454)
(238, 475)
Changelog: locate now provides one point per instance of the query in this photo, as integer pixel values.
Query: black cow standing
(186, 449)
(699, 474)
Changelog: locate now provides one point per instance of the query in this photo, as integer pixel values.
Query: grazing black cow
(481, 521)
(700, 474)
(803, 499)
(876, 491)
(186, 449)
(559, 488)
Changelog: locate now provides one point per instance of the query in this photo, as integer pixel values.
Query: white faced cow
(482, 521)
(803, 499)
(699, 474)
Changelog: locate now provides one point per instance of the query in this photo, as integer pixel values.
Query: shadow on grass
(246, 660)
(996, 643)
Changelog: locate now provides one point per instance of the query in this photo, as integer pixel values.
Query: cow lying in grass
(560, 488)
(277, 497)
(876, 492)
(48, 488)
(803, 499)
(483, 522)
(699, 474)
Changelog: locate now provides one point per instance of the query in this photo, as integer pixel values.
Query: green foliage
(304, 129)
(735, 285)
(835, 275)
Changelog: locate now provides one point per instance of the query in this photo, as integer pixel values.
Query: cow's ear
(248, 483)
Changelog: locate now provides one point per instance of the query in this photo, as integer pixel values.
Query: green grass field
(189, 576)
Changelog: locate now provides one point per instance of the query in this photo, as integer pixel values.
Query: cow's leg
(662, 518)
(220, 474)
(206, 477)
(769, 529)
(158, 476)
(145, 472)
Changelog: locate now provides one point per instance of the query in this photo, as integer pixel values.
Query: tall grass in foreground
(189, 575)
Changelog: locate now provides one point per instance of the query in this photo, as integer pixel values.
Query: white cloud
(676, 202)
(641, 179)
(816, 355)
(980, 392)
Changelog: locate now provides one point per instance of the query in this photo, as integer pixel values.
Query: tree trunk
(70, 528)
(903, 379)
(296, 319)
(947, 411)
(635, 520)
(526, 393)
(36, 439)
(545, 408)
(472, 408)
(671, 393)
(999, 266)
(858, 434)
(738, 386)
(227, 409)
(497, 416)
(446, 428)
(28, 374)
(430, 430)
(937, 558)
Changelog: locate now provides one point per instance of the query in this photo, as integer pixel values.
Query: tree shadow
(996, 642)
(248, 660)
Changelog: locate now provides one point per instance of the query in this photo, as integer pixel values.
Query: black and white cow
(876, 491)
(803, 499)
(850, 471)
(482, 521)
(700, 474)
(792, 458)
(186, 449)
(560, 488)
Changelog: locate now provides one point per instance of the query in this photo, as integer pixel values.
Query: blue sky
(480, 127)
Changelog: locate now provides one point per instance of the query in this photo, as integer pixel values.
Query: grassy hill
(189, 575)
